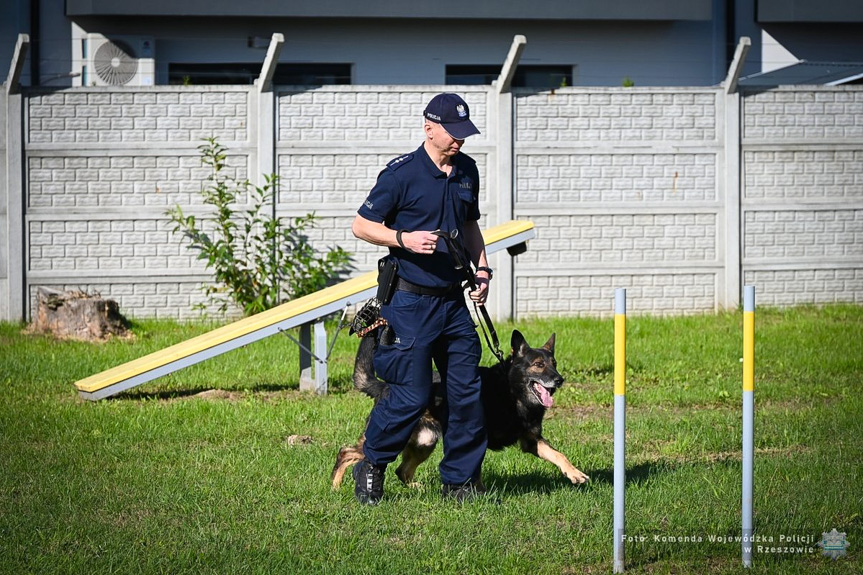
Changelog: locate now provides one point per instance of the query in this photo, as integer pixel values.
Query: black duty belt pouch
(387, 279)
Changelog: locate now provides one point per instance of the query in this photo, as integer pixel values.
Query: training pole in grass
(748, 419)
(619, 425)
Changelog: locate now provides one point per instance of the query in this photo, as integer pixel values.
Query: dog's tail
(364, 369)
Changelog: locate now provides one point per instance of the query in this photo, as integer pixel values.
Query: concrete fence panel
(623, 185)
(103, 165)
(802, 206)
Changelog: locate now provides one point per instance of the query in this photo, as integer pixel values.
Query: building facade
(680, 187)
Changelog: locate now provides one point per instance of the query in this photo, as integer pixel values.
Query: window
(247, 73)
(472, 75)
(312, 74)
(543, 77)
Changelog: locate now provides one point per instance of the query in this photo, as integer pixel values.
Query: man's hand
(420, 242)
(480, 294)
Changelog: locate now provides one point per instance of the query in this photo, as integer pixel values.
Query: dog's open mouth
(542, 394)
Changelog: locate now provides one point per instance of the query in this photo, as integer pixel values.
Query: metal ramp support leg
(313, 361)
(323, 356)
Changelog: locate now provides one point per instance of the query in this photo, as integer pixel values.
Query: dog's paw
(577, 477)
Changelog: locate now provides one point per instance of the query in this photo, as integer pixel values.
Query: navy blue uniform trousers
(439, 329)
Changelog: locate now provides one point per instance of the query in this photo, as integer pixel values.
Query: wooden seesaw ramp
(299, 312)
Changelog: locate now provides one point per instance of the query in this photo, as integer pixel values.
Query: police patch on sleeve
(400, 161)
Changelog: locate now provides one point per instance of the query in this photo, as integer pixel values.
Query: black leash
(491, 338)
(496, 349)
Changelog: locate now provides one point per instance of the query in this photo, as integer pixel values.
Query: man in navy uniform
(434, 188)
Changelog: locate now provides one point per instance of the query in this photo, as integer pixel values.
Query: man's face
(441, 141)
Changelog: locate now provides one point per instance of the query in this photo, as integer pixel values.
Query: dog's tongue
(544, 395)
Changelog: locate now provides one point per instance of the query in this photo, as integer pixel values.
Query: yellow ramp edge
(264, 319)
(507, 230)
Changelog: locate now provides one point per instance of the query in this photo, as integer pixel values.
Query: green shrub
(259, 260)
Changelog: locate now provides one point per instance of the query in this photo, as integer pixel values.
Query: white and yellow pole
(619, 426)
(748, 419)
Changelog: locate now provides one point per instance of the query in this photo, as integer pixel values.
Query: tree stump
(77, 315)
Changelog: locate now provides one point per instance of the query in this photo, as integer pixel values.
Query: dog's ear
(518, 343)
(549, 345)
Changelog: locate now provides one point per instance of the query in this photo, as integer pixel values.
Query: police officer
(434, 188)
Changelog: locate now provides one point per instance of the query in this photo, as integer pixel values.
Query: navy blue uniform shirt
(411, 194)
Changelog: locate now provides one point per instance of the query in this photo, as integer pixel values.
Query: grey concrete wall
(103, 166)
(802, 206)
(624, 188)
(636, 188)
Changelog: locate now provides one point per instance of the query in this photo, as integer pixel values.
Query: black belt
(407, 286)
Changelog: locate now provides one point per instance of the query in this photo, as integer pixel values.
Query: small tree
(259, 260)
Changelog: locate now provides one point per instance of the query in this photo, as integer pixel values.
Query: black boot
(369, 483)
(463, 493)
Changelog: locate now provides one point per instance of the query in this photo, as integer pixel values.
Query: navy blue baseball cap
(451, 112)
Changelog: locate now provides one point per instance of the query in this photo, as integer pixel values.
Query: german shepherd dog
(515, 395)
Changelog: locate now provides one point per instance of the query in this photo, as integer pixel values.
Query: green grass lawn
(164, 480)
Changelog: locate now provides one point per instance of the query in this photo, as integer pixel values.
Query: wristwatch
(489, 271)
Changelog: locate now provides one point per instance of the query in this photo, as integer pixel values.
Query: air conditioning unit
(118, 61)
